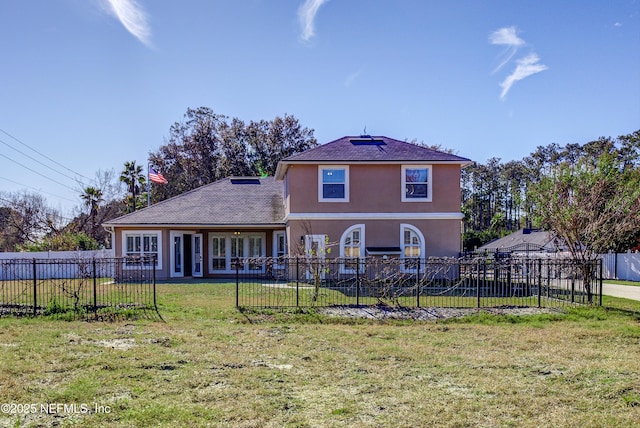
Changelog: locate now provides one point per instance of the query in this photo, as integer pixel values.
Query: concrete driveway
(624, 291)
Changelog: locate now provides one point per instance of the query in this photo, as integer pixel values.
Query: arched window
(352, 247)
(412, 243)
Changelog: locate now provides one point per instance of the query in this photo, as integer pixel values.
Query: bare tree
(592, 205)
(26, 219)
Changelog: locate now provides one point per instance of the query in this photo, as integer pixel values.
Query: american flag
(156, 177)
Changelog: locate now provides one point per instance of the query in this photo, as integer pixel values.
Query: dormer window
(416, 183)
(333, 183)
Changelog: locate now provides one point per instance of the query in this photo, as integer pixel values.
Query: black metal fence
(80, 288)
(466, 282)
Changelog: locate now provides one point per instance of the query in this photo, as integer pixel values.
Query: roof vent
(243, 180)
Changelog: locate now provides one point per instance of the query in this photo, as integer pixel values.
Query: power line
(43, 155)
(36, 189)
(36, 172)
(36, 160)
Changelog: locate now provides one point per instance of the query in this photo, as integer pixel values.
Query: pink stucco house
(353, 197)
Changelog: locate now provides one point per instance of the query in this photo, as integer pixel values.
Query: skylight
(366, 140)
(245, 181)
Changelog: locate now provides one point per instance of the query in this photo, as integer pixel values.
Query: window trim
(141, 233)
(210, 239)
(345, 234)
(403, 183)
(321, 169)
(403, 228)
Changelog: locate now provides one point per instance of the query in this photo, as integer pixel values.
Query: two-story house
(353, 197)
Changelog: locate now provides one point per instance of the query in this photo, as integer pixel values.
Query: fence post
(418, 285)
(600, 281)
(237, 284)
(155, 303)
(573, 290)
(478, 281)
(357, 281)
(297, 281)
(95, 290)
(35, 286)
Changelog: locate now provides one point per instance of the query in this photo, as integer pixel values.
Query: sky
(90, 84)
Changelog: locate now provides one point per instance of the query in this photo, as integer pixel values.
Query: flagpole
(148, 188)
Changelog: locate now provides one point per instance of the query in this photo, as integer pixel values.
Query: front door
(182, 254)
(315, 250)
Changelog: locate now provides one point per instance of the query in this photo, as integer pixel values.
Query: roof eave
(284, 165)
(198, 225)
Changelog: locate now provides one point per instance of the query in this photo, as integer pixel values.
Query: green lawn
(615, 281)
(209, 365)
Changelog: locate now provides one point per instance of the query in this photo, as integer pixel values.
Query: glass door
(315, 250)
(196, 260)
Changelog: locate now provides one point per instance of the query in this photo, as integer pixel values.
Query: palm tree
(133, 177)
(92, 198)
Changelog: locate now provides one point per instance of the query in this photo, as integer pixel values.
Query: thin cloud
(525, 67)
(307, 16)
(352, 78)
(508, 37)
(133, 17)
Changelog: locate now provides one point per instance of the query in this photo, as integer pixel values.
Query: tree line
(497, 198)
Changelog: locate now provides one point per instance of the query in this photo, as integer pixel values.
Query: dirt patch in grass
(425, 314)
(117, 343)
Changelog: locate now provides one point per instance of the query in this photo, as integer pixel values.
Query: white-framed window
(218, 251)
(256, 245)
(352, 247)
(413, 247)
(143, 244)
(237, 251)
(225, 249)
(416, 183)
(333, 183)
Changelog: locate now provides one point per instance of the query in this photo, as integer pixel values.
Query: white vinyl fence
(622, 266)
(59, 255)
(12, 265)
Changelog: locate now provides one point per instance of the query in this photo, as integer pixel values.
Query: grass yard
(210, 365)
(615, 281)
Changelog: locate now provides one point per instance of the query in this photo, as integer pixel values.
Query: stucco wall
(373, 188)
(442, 237)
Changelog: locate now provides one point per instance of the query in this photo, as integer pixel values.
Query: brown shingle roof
(351, 149)
(232, 201)
(373, 148)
